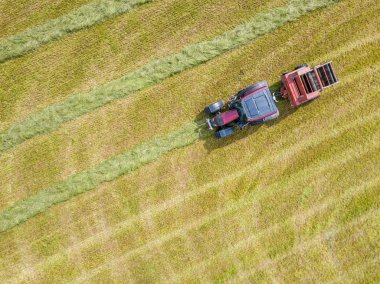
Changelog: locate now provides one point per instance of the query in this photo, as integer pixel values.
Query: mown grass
(54, 116)
(125, 119)
(194, 213)
(83, 17)
(92, 178)
(20, 15)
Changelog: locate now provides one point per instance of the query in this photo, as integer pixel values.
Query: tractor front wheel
(214, 108)
(223, 133)
(252, 88)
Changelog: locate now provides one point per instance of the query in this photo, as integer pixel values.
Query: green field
(108, 172)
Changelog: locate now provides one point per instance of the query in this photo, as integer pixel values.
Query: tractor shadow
(211, 143)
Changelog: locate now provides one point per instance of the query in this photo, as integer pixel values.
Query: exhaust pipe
(210, 124)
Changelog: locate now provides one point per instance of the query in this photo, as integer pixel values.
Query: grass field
(128, 186)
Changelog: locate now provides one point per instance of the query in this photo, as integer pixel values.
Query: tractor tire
(300, 66)
(214, 108)
(223, 133)
(251, 89)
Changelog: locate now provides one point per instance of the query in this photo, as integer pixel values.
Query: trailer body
(305, 84)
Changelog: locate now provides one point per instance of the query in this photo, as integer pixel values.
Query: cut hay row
(93, 177)
(54, 116)
(81, 18)
(17, 16)
(107, 171)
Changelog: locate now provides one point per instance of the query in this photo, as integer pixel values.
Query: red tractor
(255, 104)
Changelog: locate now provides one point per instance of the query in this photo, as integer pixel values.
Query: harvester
(256, 104)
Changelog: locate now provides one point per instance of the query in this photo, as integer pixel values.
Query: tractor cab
(305, 84)
(258, 105)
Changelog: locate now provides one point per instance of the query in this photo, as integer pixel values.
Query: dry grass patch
(116, 117)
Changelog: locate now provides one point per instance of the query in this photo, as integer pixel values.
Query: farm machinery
(256, 104)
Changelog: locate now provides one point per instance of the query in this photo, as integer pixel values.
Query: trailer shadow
(211, 142)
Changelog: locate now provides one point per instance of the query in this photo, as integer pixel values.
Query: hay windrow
(106, 171)
(54, 116)
(84, 17)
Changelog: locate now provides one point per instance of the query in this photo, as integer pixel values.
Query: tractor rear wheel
(252, 88)
(300, 66)
(214, 108)
(224, 132)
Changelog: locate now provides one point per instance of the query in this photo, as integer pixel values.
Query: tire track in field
(357, 270)
(359, 43)
(230, 209)
(105, 235)
(84, 17)
(243, 244)
(309, 243)
(159, 241)
(52, 117)
(104, 172)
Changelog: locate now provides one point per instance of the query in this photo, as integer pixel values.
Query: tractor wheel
(224, 132)
(300, 66)
(251, 89)
(214, 108)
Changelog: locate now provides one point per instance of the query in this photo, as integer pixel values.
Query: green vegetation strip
(107, 171)
(54, 116)
(81, 18)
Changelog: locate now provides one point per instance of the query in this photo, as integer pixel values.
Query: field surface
(108, 172)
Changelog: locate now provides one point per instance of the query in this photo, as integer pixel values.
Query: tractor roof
(258, 105)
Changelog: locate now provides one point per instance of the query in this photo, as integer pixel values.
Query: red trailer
(305, 84)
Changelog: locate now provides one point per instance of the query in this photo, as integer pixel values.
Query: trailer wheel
(214, 108)
(223, 133)
(252, 88)
(300, 66)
